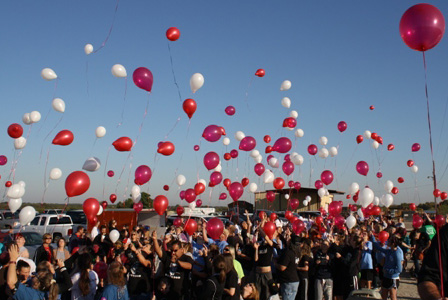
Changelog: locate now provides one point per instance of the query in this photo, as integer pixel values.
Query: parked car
(33, 240)
(57, 225)
(78, 217)
(8, 219)
(53, 211)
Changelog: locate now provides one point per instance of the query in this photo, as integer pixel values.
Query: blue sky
(341, 57)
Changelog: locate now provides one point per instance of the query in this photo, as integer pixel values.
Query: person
(95, 231)
(164, 291)
(287, 272)
(231, 287)
(324, 279)
(85, 281)
(20, 241)
(421, 244)
(44, 252)
(366, 264)
(214, 285)
(249, 291)
(263, 258)
(61, 252)
(76, 239)
(23, 271)
(116, 288)
(103, 239)
(236, 264)
(428, 228)
(303, 267)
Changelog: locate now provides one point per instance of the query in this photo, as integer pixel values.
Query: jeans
(289, 290)
(324, 289)
(417, 264)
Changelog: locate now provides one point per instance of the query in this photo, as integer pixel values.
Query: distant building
(281, 203)
(238, 207)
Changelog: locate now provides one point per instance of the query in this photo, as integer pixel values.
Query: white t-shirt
(95, 231)
(76, 292)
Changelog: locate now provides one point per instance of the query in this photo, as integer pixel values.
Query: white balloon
(305, 202)
(350, 222)
(268, 176)
(258, 159)
(299, 133)
(388, 186)
(181, 179)
(100, 131)
(203, 182)
(55, 173)
(88, 48)
(323, 153)
(286, 196)
(26, 119)
(35, 116)
(20, 143)
(14, 204)
(136, 193)
(323, 140)
(58, 105)
(414, 169)
(375, 144)
(226, 141)
(92, 164)
(293, 114)
(286, 102)
(22, 183)
(114, 235)
(48, 74)
(196, 82)
(286, 85)
(100, 211)
(376, 201)
(321, 192)
(308, 198)
(26, 215)
(388, 199)
(367, 134)
(218, 168)
(360, 214)
(333, 151)
(253, 187)
(192, 205)
(254, 153)
(353, 188)
(289, 128)
(366, 197)
(239, 135)
(297, 159)
(273, 162)
(119, 71)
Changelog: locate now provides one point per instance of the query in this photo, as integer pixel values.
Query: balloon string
(124, 101)
(129, 178)
(174, 74)
(46, 181)
(93, 146)
(122, 171)
(87, 78)
(105, 171)
(433, 171)
(441, 131)
(353, 155)
(247, 94)
(110, 29)
(46, 137)
(172, 128)
(45, 120)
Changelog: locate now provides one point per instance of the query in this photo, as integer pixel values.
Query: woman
(20, 241)
(44, 252)
(61, 252)
(236, 264)
(249, 292)
(231, 287)
(366, 263)
(85, 281)
(116, 288)
(214, 286)
(303, 268)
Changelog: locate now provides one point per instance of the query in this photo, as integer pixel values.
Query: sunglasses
(227, 250)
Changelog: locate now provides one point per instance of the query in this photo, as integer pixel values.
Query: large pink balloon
(190, 195)
(342, 126)
(282, 145)
(143, 78)
(211, 160)
(318, 184)
(248, 143)
(312, 149)
(422, 27)
(362, 167)
(288, 167)
(236, 190)
(215, 178)
(259, 169)
(142, 174)
(212, 133)
(215, 228)
(326, 177)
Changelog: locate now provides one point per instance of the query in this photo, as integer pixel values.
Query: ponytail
(84, 282)
(219, 266)
(54, 290)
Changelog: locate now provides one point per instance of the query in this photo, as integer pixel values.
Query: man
(23, 271)
(287, 275)
(44, 252)
(103, 239)
(324, 278)
(76, 239)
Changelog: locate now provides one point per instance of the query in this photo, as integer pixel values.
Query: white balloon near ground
(181, 180)
(19, 143)
(388, 186)
(286, 85)
(35, 116)
(268, 176)
(414, 169)
(58, 105)
(308, 198)
(387, 200)
(226, 141)
(26, 119)
(136, 193)
(192, 205)
(100, 131)
(360, 214)
(196, 82)
(286, 196)
(114, 235)
(333, 151)
(254, 153)
(350, 222)
(367, 134)
(375, 145)
(286, 102)
(55, 174)
(305, 202)
(92, 164)
(48, 74)
(376, 201)
(323, 141)
(88, 49)
(297, 159)
(366, 197)
(14, 204)
(258, 159)
(323, 153)
(299, 133)
(26, 215)
(119, 71)
(253, 187)
(239, 135)
(100, 211)
(294, 114)
(353, 188)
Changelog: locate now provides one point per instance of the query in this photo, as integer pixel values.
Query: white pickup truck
(56, 225)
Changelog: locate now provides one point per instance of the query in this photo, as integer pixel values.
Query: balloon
(443, 195)
(227, 182)
(367, 134)
(226, 141)
(236, 190)
(26, 215)
(113, 198)
(286, 85)
(339, 221)
(298, 226)
(254, 153)
(104, 205)
(268, 176)
(323, 153)
(14, 204)
(35, 116)
(400, 179)
(379, 175)
(387, 200)
(294, 114)
(412, 206)
(8, 183)
(92, 164)
(362, 168)
(299, 133)
(383, 236)
(55, 173)
(230, 110)
(326, 177)
(259, 169)
(286, 102)
(215, 228)
(321, 192)
(334, 208)
(88, 49)
(110, 173)
(3, 160)
(414, 169)
(268, 149)
(190, 195)
(63, 138)
(178, 222)
(318, 184)
(160, 204)
(270, 196)
(223, 196)
(123, 144)
(239, 136)
(253, 187)
(191, 226)
(273, 162)
(142, 174)
(90, 207)
(211, 160)
(415, 147)
(366, 197)
(437, 193)
(245, 181)
(100, 211)
(173, 34)
(181, 180)
(312, 149)
(212, 133)
(138, 207)
(248, 143)
(166, 148)
(119, 71)
(143, 78)
(376, 201)
(342, 126)
(395, 190)
(417, 221)
(375, 145)
(422, 27)
(77, 183)
(288, 168)
(294, 203)
(114, 235)
(260, 73)
(439, 220)
(100, 131)
(196, 82)
(58, 105)
(350, 222)
(333, 151)
(375, 211)
(269, 228)
(48, 74)
(359, 139)
(215, 178)
(297, 159)
(282, 145)
(199, 188)
(15, 130)
(189, 107)
(410, 163)
(354, 188)
(26, 119)
(323, 140)
(136, 193)
(180, 210)
(19, 143)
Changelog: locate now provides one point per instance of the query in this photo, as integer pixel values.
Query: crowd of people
(322, 261)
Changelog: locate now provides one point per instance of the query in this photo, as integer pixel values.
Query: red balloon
(199, 188)
(223, 196)
(375, 211)
(372, 107)
(289, 122)
(379, 140)
(196, 148)
(260, 73)
(227, 182)
(400, 179)
(318, 184)
(270, 196)
(142, 175)
(355, 198)
(215, 228)
(189, 107)
(15, 130)
(342, 126)
(234, 153)
(248, 143)
(326, 177)
(113, 198)
(319, 220)
(417, 221)
(267, 139)
(273, 217)
(8, 183)
(180, 210)
(443, 195)
(297, 185)
(190, 226)
(259, 169)
(123, 144)
(230, 110)
(282, 145)
(288, 168)
(439, 220)
(359, 139)
(173, 34)
(215, 178)
(390, 147)
(190, 195)
(138, 207)
(298, 226)
(288, 215)
(223, 131)
(374, 136)
(227, 156)
(166, 148)
(379, 174)
(182, 195)
(412, 206)
(279, 183)
(91, 207)
(178, 222)
(198, 203)
(312, 149)
(245, 181)
(236, 190)
(93, 220)
(269, 228)
(104, 204)
(211, 160)
(410, 163)
(110, 173)
(268, 149)
(437, 193)
(3, 160)
(362, 167)
(143, 78)
(63, 138)
(166, 187)
(383, 236)
(295, 203)
(422, 27)
(415, 147)
(339, 221)
(160, 204)
(77, 183)
(212, 133)
(394, 190)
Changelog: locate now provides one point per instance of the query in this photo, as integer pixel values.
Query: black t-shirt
(265, 253)
(231, 282)
(302, 263)
(323, 270)
(248, 262)
(288, 259)
(171, 295)
(233, 240)
(138, 279)
(213, 289)
(178, 275)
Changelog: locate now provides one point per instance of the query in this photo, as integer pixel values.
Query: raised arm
(12, 273)
(157, 248)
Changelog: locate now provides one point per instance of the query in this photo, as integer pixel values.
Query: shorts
(389, 284)
(367, 274)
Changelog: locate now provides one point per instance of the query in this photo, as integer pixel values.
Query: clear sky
(341, 57)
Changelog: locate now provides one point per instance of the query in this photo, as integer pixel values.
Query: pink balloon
(138, 207)
(291, 183)
(223, 196)
(326, 177)
(211, 160)
(198, 203)
(270, 196)
(339, 221)
(379, 174)
(196, 147)
(289, 122)
(190, 195)
(259, 169)
(212, 133)
(234, 153)
(415, 147)
(297, 185)
(312, 149)
(236, 190)
(143, 78)
(342, 126)
(215, 178)
(288, 167)
(294, 204)
(282, 145)
(287, 157)
(230, 110)
(110, 173)
(215, 228)
(248, 143)
(318, 184)
(142, 175)
(3, 160)
(298, 226)
(182, 195)
(362, 167)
